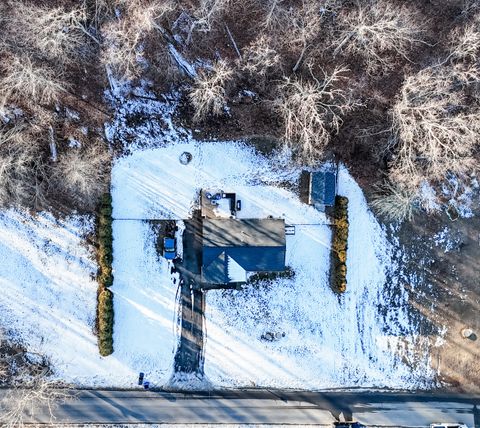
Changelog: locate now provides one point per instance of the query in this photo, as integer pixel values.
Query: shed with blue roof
(322, 189)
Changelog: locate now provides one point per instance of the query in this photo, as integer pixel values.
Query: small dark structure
(233, 247)
(319, 188)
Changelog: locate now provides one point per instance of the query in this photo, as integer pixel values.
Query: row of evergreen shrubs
(105, 276)
(339, 245)
(257, 277)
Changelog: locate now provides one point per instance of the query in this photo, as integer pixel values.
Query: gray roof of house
(323, 189)
(257, 245)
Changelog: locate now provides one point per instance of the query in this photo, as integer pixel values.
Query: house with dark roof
(233, 247)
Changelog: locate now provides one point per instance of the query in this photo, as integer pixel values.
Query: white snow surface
(48, 299)
(48, 296)
(145, 301)
(357, 340)
(329, 342)
(153, 184)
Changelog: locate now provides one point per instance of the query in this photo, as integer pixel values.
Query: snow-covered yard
(328, 342)
(365, 338)
(48, 299)
(361, 339)
(47, 293)
(144, 302)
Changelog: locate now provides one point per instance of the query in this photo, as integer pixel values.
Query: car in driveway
(169, 248)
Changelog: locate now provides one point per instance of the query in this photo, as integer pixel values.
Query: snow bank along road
(267, 407)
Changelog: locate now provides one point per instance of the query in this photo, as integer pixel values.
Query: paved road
(266, 407)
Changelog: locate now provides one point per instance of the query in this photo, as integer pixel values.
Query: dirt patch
(17, 364)
(443, 259)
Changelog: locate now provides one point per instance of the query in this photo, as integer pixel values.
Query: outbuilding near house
(319, 188)
(233, 247)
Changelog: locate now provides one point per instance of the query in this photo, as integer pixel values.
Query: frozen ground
(152, 183)
(361, 339)
(48, 296)
(48, 299)
(145, 304)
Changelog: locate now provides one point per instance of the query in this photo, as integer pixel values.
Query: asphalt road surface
(385, 409)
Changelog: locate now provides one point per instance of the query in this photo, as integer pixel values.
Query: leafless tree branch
(311, 110)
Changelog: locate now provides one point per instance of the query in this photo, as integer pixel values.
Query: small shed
(321, 188)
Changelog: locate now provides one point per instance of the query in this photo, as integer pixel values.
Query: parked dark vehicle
(169, 248)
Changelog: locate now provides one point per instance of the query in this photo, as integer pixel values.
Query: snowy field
(144, 303)
(48, 298)
(152, 183)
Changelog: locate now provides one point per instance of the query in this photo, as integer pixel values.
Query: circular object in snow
(185, 158)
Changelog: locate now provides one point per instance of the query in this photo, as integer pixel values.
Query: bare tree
(23, 172)
(205, 13)
(295, 27)
(83, 173)
(260, 58)
(436, 120)
(26, 399)
(208, 94)
(124, 36)
(101, 10)
(465, 42)
(435, 125)
(274, 11)
(395, 202)
(470, 7)
(311, 110)
(304, 27)
(375, 30)
(50, 31)
(23, 80)
(38, 47)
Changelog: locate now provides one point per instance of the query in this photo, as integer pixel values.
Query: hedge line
(339, 245)
(105, 322)
(105, 276)
(270, 276)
